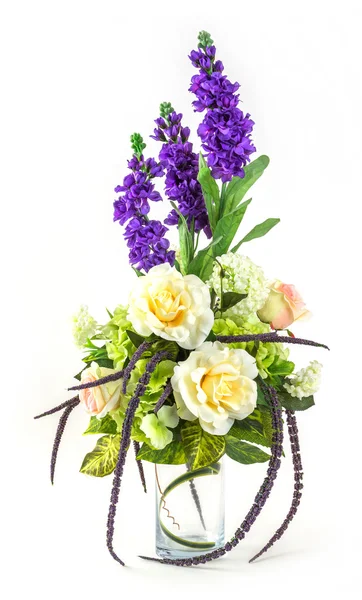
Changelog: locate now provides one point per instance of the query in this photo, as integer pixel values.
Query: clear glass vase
(190, 510)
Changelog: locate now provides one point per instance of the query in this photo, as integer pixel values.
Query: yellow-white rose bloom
(215, 385)
(173, 306)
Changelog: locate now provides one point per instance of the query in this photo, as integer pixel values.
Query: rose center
(169, 307)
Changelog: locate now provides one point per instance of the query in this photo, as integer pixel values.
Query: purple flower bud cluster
(181, 165)
(298, 485)
(145, 238)
(225, 131)
(125, 442)
(260, 499)
(59, 434)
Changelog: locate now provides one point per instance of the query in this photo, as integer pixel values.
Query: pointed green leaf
(229, 299)
(185, 240)
(238, 187)
(103, 459)
(244, 453)
(172, 454)
(211, 194)
(105, 425)
(201, 448)
(136, 339)
(252, 430)
(227, 227)
(290, 403)
(202, 264)
(257, 232)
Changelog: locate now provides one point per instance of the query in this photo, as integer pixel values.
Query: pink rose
(101, 399)
(283, 306)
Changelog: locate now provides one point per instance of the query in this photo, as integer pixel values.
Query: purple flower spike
(225, 131)
(58, 436)
(181, 165)
(57, 408)
(136, 447)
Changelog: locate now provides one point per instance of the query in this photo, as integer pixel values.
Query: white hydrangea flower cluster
(84, 326)
(244, 277)
(305, 382)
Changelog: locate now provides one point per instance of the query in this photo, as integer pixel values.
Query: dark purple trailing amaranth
(225, 131)
(165, 394)
(267, 337)
(98, 382)
(259, 501)
(57, 408)
(136, 447)
(132, 363)
(181, 165)
(58, 436)
(125, 442)
(298, 485)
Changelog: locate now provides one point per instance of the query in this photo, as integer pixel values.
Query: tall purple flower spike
(84, 386)
(298, 485)
(125, 442)
(259, 501)
(57, 408)
(132, 363)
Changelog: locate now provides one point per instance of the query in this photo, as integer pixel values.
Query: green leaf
(229, 299)
(201, 448)
(138, 273)
(227, 227)
(281, 367)
(238, 186)
(103, 459)
(290, 403)
(252, 430)
(257, 232)
(172, 454)
(261, 399)
(105, 425)
(202, 264)
(185, 240)
(210, 192)
(244, 453)
(136, 339)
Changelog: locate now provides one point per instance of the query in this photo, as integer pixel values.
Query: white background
(78, 77)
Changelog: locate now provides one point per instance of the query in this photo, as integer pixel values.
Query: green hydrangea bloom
(119, 347)
(264, 354)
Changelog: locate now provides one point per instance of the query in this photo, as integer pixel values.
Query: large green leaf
(257, 232)
(210, 191)
(186, 242)
(201, 448)
(202, 264)
(105, 425)
(172, 454)
(252, 430)
(290, 403)
(281, 367)
(103, 459)
(238, 186)
(244, 453)
(227, 227)
(229, 299)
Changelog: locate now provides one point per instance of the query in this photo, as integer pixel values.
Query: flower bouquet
(195, 367)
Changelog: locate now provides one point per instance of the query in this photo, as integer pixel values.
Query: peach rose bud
(283, 306)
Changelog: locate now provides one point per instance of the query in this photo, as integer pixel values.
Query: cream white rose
(215, 385)
(173, 306)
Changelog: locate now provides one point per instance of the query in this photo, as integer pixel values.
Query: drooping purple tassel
(165, 394)
(128, 370)
(267, 337)
(136, 446)
(125, 442)
(98, 382)
(298, 485)
(260, 498)
(57, 408)
(58, 436)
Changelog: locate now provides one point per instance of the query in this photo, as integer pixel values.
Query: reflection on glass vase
(190, 510)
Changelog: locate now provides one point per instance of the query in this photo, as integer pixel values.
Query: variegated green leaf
(201, 448)
(172, 454)
(103, 459)
(105, 425)
(252, 430)
(244, 453)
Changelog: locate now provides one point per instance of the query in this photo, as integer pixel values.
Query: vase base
(186, 552)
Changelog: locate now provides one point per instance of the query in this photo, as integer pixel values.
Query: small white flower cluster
(241, 275)
(305, 382)
(84, 326)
